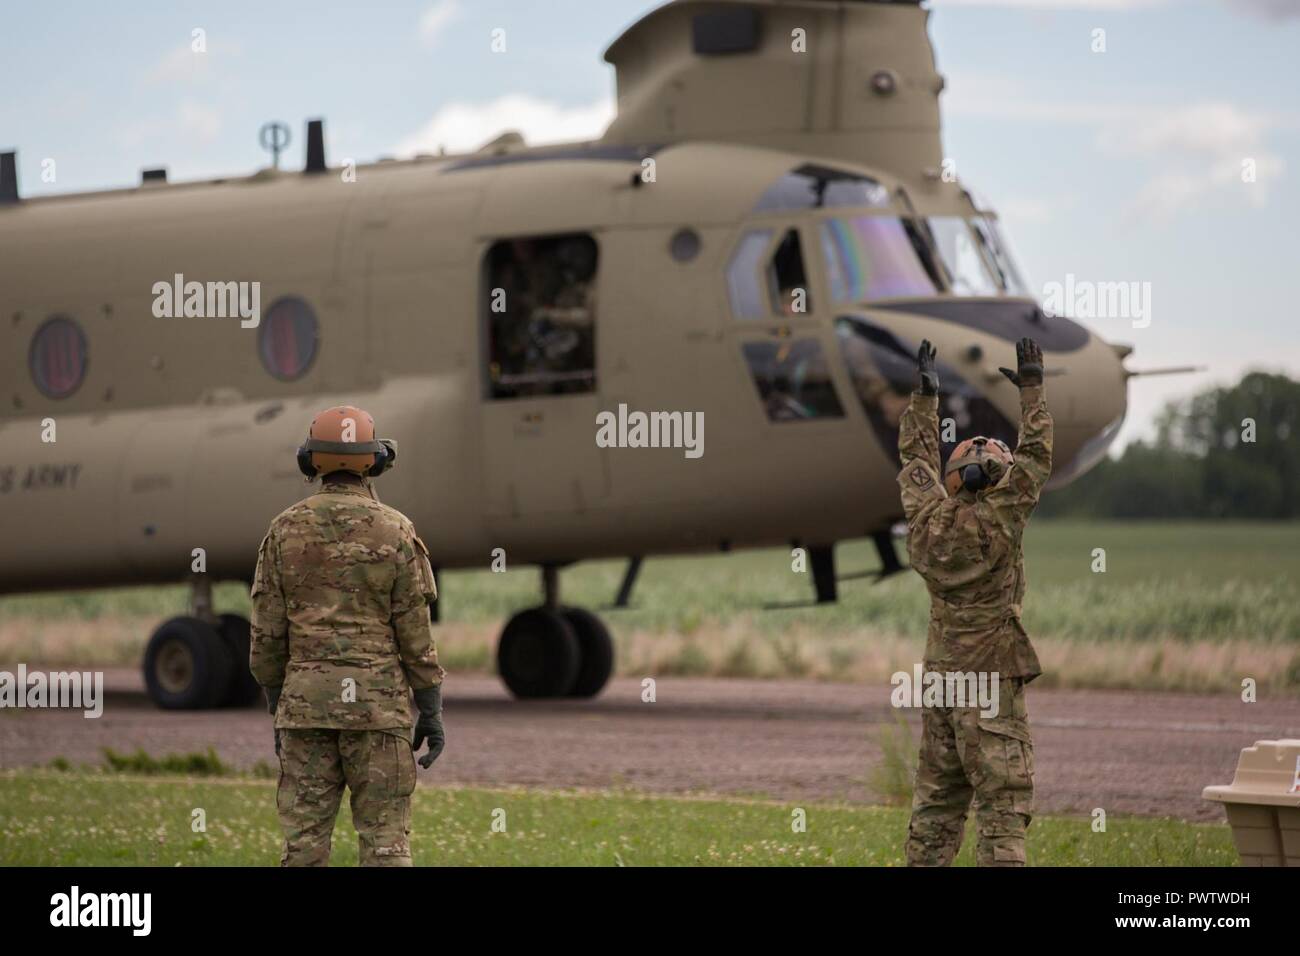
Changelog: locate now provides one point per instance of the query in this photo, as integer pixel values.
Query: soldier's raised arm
(268, 653)
(1014, 497)
(918, 438)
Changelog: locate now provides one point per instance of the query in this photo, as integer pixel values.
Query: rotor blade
(1172, 370)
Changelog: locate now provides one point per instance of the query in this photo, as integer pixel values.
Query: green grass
(50, 818)
(1191, 606)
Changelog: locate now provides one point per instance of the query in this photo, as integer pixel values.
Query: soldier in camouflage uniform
(341, 635)
(964, 538)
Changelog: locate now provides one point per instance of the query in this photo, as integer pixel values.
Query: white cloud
(180, 65)
(1214, 128)
(192, 122)
(1053, 4)
(1268, 9)
(434, 20)
(1025, 209)
(1198, 148)
(462, 127)
(201, 122)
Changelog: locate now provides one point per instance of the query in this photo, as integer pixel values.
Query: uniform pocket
(392, 765)
(405, 767)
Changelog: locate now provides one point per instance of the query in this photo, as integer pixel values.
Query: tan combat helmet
(977, 451)
(342, 438)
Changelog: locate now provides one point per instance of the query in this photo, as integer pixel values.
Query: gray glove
(1029, 365)
(927, 376)
(429, 725)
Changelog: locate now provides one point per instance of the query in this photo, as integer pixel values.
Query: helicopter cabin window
(793, 380)
(765, 285)
(287, 338)
(875, 257)
(57, 357)
(540, 305)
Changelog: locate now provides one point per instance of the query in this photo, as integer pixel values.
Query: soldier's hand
(1029, 365)
(926, 374)
(428, 727)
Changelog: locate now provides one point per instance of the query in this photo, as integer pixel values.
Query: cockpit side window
(793, 380)
(541, 307)
(748, 298)
(788, 278)
(763, 284)
(873, 257)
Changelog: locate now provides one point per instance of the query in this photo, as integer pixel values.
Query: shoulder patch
(920, 476)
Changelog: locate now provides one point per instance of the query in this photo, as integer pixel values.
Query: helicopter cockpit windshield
(975, 257)
(875, 250)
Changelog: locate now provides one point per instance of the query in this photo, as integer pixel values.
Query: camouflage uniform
(968, 550)
(341, 620)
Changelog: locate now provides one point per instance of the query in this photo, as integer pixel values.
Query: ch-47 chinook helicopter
(761, 238)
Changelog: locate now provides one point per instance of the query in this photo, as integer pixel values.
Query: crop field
(82, 818)
(1185, 606)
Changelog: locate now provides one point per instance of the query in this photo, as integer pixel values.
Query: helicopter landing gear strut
(200, 660)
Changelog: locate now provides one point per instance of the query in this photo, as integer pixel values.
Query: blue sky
(1115, 166)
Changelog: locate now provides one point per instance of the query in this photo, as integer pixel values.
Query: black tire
(242, 690)
(595, 652)
(538, 654)
(187, 665)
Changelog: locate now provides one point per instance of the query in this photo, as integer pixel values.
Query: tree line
(1227, 452)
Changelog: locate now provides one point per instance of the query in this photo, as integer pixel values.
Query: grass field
(1190, 606)
(79, 818)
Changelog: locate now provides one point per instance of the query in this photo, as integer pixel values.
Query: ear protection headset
(977, 463)
(384, 450)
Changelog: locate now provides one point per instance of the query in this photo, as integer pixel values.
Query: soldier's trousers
(377, 767)
(965, 756)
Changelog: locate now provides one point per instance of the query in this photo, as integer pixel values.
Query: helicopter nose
(1086, 381)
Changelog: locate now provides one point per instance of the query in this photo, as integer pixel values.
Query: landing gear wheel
(242, 690)
(595, 649)
(538, 654)
(187, 665)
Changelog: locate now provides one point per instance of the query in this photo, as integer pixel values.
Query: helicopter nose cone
(1086, 382)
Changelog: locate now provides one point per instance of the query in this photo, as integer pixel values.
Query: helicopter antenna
(274, 137)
